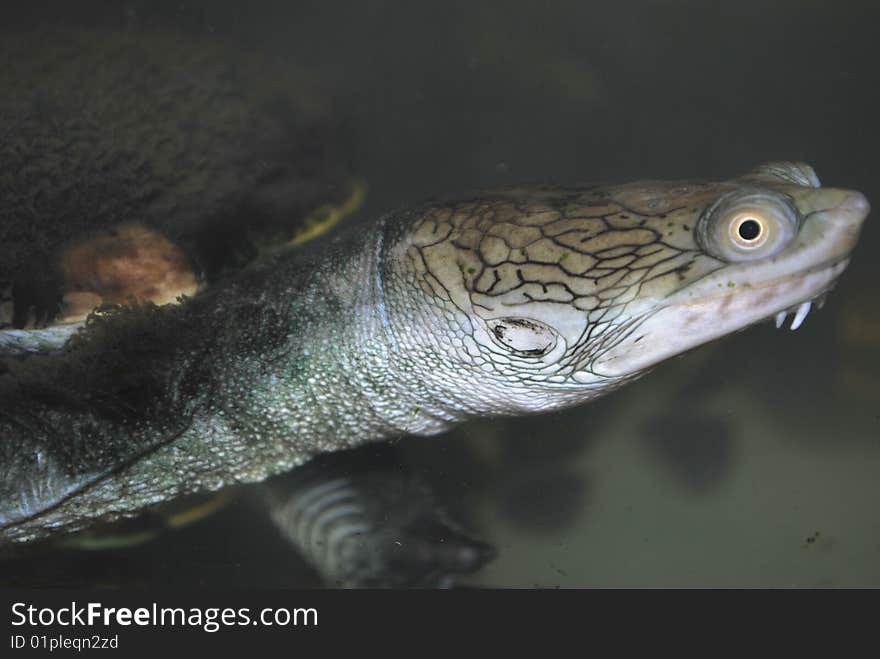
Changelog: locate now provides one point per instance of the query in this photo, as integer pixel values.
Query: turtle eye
(748, 231)
(748, 224)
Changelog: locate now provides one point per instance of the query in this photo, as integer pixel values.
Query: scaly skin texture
(513, 302)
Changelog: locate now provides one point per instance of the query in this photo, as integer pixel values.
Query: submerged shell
(161, 158)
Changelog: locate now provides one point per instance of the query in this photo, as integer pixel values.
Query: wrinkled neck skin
(347, 376)
(399, 348)
(328, 384)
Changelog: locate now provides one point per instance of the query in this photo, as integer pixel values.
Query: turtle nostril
(856, 203)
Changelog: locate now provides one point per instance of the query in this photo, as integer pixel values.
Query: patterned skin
(513, 302)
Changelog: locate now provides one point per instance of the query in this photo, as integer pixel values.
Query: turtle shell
(144, 165)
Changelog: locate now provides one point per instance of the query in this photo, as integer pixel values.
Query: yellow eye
(748, 224)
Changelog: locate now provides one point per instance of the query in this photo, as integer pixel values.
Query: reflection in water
(697, 450)
(363, 519)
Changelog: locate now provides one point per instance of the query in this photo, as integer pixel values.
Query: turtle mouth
(687, 322)
(794, 294)
(799, 312)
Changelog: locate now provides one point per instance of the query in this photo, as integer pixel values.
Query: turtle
(515, 301)
(143, 167)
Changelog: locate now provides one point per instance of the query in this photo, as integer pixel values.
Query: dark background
(751, 462)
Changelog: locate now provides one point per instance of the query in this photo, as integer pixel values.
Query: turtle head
(546, 297)
(779, 242)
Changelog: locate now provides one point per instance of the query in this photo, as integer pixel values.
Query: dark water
(751, 462)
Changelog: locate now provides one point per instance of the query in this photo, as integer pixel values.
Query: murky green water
(750, 462)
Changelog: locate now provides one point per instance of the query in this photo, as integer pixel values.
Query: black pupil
(749, 230)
